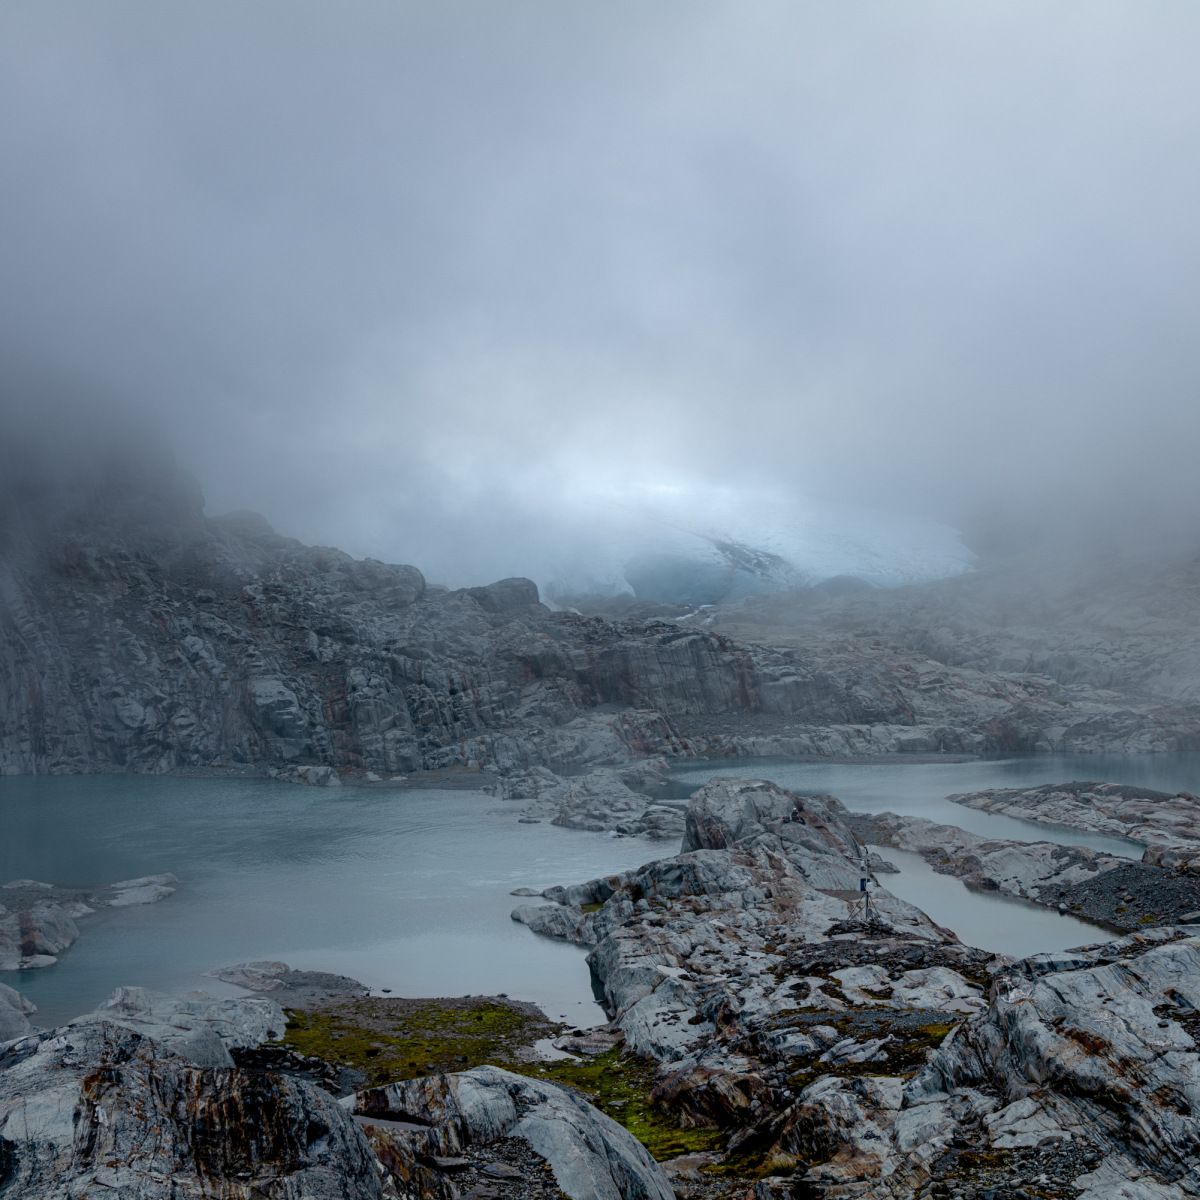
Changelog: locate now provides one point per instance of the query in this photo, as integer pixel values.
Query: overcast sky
(391, 273)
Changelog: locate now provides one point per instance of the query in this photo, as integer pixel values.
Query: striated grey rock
(601, 801)
(37, 920)
(285, 986)
(1037, 871)
(1169, 825)
(34, 936)
(592, 1157)
(14, 1013)
(200, 1027)
(1103, 1053)
(101, 1109)
(737, 977)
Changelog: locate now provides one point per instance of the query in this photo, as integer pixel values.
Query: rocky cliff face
(137, 634)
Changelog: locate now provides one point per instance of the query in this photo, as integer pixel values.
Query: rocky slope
(137, 634)
(1122, 622)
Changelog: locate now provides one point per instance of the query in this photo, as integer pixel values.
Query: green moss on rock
(390, 1039)
(619, 1085)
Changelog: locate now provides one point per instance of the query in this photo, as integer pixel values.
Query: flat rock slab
(293, 989)
(499, 1170)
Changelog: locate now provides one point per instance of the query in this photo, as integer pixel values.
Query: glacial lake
(409, 889)
(404, 889)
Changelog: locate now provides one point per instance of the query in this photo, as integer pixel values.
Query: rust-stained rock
(103, 1110)
(419, 1120)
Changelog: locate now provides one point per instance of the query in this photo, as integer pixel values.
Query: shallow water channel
(409, 890)
(919, 789)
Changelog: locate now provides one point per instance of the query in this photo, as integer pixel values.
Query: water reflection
(989, 921)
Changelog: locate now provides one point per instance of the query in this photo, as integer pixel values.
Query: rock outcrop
(873, 1058)
(1038, 871)
(602, 801)
(14, 1013)
(37, 920)
(1168, 825)
(158, 1097)
(115, 1104)
(420, 1123)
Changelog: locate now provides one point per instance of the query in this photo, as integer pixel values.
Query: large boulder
(200, 1027)
(14, 1013)
(591, 1156)
(100, 1109)
(34, 936)
(505, 595)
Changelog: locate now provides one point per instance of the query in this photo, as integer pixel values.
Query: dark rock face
(103, 1109)
(137, 634)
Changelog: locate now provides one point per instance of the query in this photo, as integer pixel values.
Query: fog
(438, 281)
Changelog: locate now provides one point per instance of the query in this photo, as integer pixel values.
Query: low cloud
(424, 280)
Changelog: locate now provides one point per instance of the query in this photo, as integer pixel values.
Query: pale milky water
(919, 789)
(407, 890)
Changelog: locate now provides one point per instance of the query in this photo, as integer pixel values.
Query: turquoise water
(407, 890)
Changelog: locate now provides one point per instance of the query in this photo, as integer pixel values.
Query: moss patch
(619, 1085)
(392, 1039)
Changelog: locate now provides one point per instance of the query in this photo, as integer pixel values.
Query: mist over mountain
(425, 280)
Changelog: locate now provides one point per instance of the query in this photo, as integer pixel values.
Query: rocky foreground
(154, 1096)
(772, 1034)
(846, 1053)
